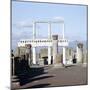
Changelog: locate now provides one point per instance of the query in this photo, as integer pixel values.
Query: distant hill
(73, 44)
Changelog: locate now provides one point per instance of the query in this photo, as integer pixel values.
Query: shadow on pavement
(66, 66)
(39, 78)
(29, 77)
(26, 73)
(39, 86)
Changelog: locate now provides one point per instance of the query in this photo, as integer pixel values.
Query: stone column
(13, 66)
(34, 55)
(55, 47)
(14, 78)
(49, 30)
(34, 30)
(34, 36)
(49, 55)
(63, 30)
(64, 56)
(49, 48)
(85, 56)
(12, 63)
(79, 53)
(28, 53)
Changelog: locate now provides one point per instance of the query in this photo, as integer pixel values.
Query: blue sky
(23, 13)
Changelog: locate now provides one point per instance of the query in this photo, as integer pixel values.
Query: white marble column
(64, 56)
(33, 48)
(63, 30)
(49, 55)
(49, 30)
(34, 55)
(55, 48)
(49, 48)
(34, 30)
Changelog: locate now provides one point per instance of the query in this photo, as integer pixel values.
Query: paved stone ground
(71, 75)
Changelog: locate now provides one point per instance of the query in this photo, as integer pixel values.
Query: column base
(58, 65)
(85, 64)
(15, 81)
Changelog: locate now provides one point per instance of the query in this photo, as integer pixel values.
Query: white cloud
(23, 24)
(58, 18)
(20, 30)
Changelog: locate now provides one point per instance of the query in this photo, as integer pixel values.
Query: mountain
(73, 44)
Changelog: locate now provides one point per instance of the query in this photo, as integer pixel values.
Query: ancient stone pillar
(28, 53)
(34, 55)
(55, 47)
(49, 55)
(79, 53)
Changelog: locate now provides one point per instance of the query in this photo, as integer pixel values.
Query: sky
(23, 13)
